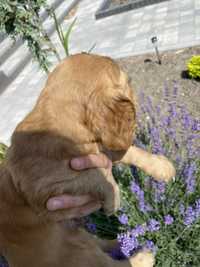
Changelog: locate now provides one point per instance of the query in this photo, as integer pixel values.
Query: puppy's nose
(114, 155)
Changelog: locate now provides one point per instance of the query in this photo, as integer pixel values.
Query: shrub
(162, 217)
(194, 67)
(20, 19)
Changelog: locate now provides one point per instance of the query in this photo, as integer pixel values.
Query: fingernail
(55, 204)
(76, 163)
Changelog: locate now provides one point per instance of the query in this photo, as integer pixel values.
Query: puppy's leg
(96, 258)
(157, 166)
(141, 259)
(38, 179)
(107, 245)
(104, 244)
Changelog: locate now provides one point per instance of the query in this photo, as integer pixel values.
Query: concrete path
(176, 24)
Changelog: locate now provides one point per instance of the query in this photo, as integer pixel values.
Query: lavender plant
(164, 218)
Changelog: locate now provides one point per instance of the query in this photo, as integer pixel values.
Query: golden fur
(87, 106)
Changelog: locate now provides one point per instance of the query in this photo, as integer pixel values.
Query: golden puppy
(87, 106)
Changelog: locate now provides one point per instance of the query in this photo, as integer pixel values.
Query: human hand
(79, 206)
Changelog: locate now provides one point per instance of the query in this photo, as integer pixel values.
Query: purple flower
(150, 246)
(116, 254)
(194, 136)
(91, 227)
(190, 177)
(166, 91)
(158, 109)
(192, 213)
(178, 159)
(153, 225)
(134, 172)
(171, 132)
(145, 207)
(175, 90)
(196, 125)
(189, 216)
(190, 148)
(128, 243)
(186, 119)
(150, 104)
(161, 187)
(123, 219)
(3, 262)
(159, 191)
(166, 122)
(156, 140)
(172, 110)
(168, 219)
(135, 188)
(139, 230)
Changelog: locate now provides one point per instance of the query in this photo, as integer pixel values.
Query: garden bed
(161, 217)
(147, 75)
(112, 7)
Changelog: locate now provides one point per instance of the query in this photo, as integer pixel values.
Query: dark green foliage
(20, 19)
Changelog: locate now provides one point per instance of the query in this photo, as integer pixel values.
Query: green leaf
(66, 37)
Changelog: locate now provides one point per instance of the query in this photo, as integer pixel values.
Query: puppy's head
(111, 111)
(101, 100)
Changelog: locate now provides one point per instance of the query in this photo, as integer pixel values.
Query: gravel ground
(147, 75)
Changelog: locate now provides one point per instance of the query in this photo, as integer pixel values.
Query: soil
(147, 75)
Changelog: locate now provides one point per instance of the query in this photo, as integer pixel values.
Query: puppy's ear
(111, 117)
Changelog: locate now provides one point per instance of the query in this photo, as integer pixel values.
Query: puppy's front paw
(142, 259)
(164, 169)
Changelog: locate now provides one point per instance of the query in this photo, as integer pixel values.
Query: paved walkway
(176, 23)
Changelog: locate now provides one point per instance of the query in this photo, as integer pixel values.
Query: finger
(91, 161)
(83, 210)
(67, 202)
